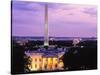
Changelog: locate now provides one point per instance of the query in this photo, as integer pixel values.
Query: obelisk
(46, 36)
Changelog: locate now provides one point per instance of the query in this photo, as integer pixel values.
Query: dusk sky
(64, 20)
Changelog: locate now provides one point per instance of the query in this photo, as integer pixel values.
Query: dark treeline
(81, 57)
(59, 43)
(17, 58)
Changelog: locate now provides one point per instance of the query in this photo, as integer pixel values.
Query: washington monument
(46, 35)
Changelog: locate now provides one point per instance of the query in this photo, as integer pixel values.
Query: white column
(46, 36)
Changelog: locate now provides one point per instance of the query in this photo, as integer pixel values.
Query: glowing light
(40, 62)
(61, 64)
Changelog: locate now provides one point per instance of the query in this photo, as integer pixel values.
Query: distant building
(76, 41)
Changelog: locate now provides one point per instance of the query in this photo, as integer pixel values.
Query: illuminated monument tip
(46, 37)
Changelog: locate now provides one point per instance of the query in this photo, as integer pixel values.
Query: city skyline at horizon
(28, 19)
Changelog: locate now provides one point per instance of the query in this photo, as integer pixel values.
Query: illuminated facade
(41, 61)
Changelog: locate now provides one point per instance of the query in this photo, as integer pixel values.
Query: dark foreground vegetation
(83, 56)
